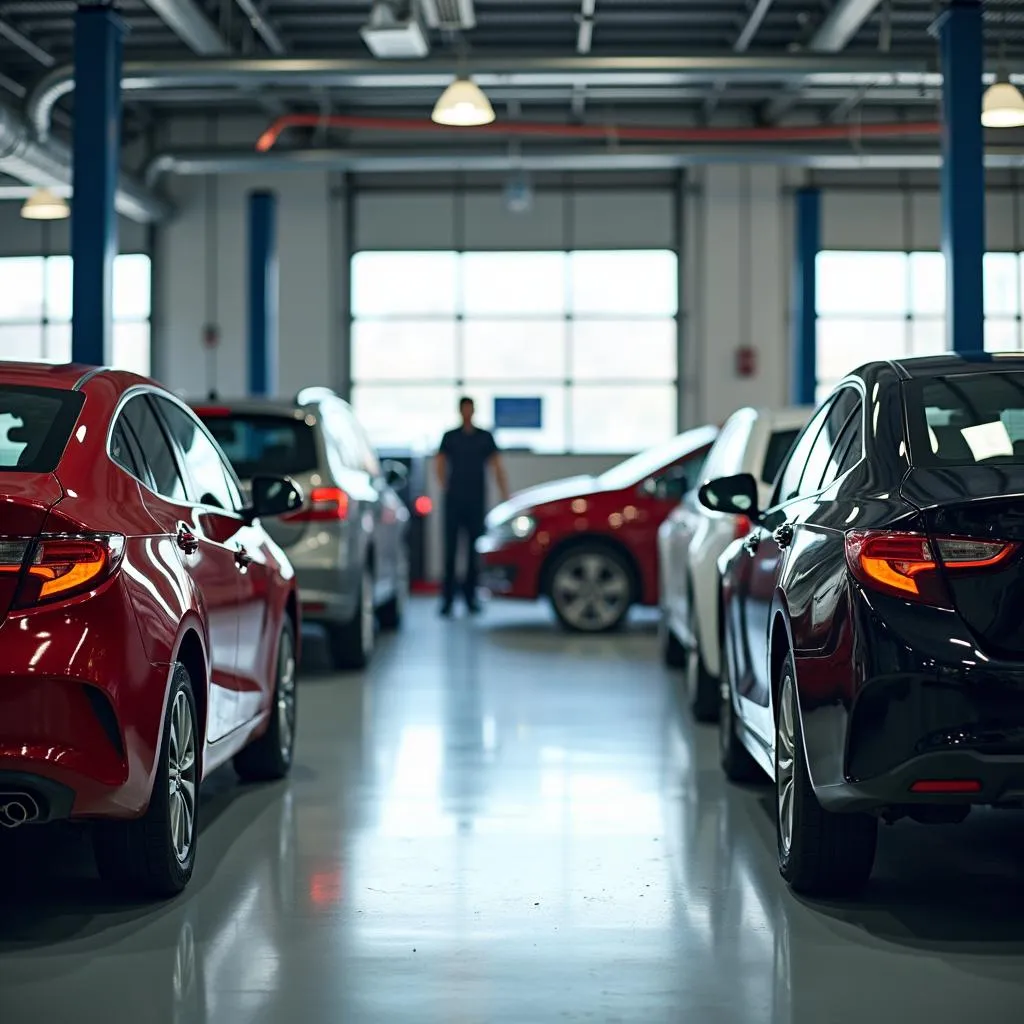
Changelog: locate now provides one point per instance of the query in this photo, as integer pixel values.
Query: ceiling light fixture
(463, 105)
(1002, 105)
(45, 205)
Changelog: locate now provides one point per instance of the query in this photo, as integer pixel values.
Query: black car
(873, 635)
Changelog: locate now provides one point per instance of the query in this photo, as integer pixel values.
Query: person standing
(462, 462)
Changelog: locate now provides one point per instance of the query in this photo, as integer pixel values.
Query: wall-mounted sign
(518, 413)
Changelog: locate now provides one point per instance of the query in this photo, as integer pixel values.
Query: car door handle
(784, 535)
(242, 558)
(187, 540)
(751, 543)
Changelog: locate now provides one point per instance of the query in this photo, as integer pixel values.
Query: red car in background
(148, 622)
(589, 544)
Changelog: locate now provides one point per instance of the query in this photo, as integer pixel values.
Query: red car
(148, 623)
(589, 544)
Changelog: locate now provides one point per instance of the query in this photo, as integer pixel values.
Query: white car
(692, 538)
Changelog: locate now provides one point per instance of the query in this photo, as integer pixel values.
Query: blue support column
(805, 296)
(963, 174)
(263, 298)
(99, 33)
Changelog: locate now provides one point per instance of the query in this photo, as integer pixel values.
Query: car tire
(702, 687)
(599, 571)
(269, 757)
(820, 853)
(352, 643)
(734, 757)
(673, 653)
(392, 611)
(153, 856)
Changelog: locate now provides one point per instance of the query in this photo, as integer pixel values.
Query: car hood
(557, 490)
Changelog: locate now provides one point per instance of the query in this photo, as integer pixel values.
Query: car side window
(726, 456)
(788, 486)
(203, 462)
(121, 451)
(155, 449)
(846, 451)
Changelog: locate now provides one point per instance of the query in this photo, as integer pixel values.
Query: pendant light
(463, 105)
(1002, 106)
(45, 205)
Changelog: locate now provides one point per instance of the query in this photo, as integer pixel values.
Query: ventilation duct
(449, 15)
(394, 32)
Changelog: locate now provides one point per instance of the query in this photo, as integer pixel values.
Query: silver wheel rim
(286, 697)
(785, 749)
(182, 777)
(366, 612)
(591, 591)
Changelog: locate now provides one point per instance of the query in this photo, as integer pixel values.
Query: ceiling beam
(262, 27)
(187, 21)
(844, 21)
(753, 23)
(23, 43)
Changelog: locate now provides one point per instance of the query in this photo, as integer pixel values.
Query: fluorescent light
(45, 205)
(1002, 106)
(463, 105)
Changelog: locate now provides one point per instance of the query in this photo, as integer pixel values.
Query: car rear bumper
(329, 596)
(509, 569)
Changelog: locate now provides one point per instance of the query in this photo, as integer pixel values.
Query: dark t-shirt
(466, 453)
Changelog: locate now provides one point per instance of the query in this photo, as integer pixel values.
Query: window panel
(132, 287)
(21, 288)
(57, 343)
(404, 283)
(22, 342)
(640, 283)
(406, 415)
(624, 350)
(1002, 334)
(863, 283)
(927, 283)
(550, 438)
(58, 288)
(403, 350)
(131, 348)
(843, 345)
(927, 337)
(514, 349)
(1002, 284)
(514, 283)
(613, 418)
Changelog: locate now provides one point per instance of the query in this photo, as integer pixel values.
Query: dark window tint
(155, 448)
(789, 482)
(778, 445)
(833, 443)
(264, 445)
(203, 462)
(121, 450)
(966, 420)
(35, 424)
(847, 451)
(680, 479)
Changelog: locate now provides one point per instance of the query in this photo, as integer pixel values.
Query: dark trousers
(462, 521)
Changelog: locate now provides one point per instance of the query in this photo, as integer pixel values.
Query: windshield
(649, 462)
(35, 424)
(264, 445)
(966, 420)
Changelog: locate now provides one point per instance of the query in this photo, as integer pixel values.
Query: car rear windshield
(263, 445)
(778, 448)
(35, 424)
(966, 419)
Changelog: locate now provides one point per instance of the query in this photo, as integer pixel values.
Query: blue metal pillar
(963, 174)
(99, 33)
(805, 296)
(263, 296)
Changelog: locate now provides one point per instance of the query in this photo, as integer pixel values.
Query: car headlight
(516, 528)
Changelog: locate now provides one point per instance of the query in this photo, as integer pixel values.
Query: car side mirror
(273, 496)
(395, 473)
(734, 495)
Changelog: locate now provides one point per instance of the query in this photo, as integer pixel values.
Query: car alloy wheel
(785, 763)
(286, 696)
(591, 591)
(181, 777)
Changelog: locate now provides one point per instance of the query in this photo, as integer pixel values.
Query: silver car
(347, 543)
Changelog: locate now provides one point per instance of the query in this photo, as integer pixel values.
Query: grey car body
(348, 543)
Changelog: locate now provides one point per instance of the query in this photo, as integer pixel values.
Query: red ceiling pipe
(638, 133)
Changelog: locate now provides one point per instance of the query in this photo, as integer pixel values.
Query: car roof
(63, 376)
(953, 363)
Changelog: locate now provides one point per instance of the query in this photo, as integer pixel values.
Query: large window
(35, 310)
(888, 305)
(592, 334)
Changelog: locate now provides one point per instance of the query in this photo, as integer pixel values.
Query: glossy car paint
(889, 691)
(84, 681)
(578, 509)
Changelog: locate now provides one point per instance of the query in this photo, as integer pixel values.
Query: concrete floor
(499, 823)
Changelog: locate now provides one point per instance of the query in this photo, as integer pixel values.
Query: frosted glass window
(641, 283)
(927, 337)
(1002, 334)
(927, 283)
(58, 288)
(131, 347)
(624, 350)
(406, 414)
(514, 350)
(843, 345)
(21, 289)
(132, 287)
(514, 283)
(552, 435)
(404, 283)
(1002, 284)
(614, 418)
(403, 350)
(22, 342)
(863, 283)
(57, 343)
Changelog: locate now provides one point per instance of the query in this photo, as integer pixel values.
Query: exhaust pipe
(17, 809)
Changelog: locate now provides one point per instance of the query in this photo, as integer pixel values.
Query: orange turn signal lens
(64, 566)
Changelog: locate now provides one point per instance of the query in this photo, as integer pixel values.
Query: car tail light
(326, 504)
(946, 786)
(907, 564)
(58, 567)
(423, 505)
(742, 527)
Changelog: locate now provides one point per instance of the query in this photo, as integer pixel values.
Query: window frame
(141, 393)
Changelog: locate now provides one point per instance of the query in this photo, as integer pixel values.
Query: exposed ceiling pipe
(49, 163)
(585, 31)
(186, 19)
(22, 41)
(753, 24)
(510, 71)
(616, 132)
(844, 21)
(382, 162)
(262, 27)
